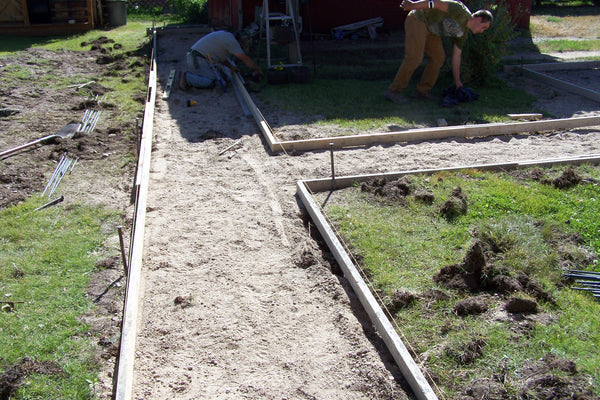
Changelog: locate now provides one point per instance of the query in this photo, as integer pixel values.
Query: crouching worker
(212, 51)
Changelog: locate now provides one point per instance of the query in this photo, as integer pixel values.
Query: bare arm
(249, 62)
(456, 59)
(408, 5)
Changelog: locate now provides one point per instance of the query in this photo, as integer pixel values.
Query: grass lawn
(530, 231)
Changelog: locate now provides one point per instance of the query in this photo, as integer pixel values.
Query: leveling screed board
(169, 85)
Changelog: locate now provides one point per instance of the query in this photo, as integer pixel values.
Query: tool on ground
(66, 132)
(89, 120)
(122, 243)
(215, 69)
(61, 169)
(230, 147)
(190, 103)
(51, 203)
(169, 85)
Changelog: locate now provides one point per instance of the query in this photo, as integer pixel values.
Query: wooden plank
(124, 379)
(412, 373)
(563, 66)
(325, 184)
(25, 12)
(530, 117)
(258, 117)
(561, 84)
(90, 13)
(421, 134)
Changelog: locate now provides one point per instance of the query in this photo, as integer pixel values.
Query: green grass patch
(528, 227)
(360, 104)
(47, 258)
(561, 45)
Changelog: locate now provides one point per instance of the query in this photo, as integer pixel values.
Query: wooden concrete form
(404, 360)
(410, 135)
(537, 72)
(324, 184)
(412, 373)
(124, 376)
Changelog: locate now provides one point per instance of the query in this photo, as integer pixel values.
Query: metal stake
(50, 203)
(332, 166)
(120, 229)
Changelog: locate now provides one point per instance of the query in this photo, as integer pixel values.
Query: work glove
(257, 76)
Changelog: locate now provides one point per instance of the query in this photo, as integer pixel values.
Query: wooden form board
(410, 135)
(403, 359)
(410, 370)
(537, 72)
(124, 376)
(324, 184)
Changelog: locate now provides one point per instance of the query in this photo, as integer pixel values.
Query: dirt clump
(14, 375)
(468, 274)
(568, 179)
(400, 299)
(554, 378)
(393, 192)
(470, 306)
(518, 305)
(455, 206)
(467, 353)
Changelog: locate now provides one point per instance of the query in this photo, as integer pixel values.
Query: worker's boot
(395, 97)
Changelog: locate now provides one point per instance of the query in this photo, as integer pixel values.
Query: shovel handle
(8, 152)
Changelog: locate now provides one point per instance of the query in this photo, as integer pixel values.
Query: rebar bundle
(65, 164)
(588, 281)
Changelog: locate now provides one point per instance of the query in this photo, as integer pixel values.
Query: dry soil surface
(240, 301)
(240, 297)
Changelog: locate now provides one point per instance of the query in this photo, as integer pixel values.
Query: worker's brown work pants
(418, 42)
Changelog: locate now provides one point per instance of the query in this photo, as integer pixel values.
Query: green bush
(482, 53)
(191, 11)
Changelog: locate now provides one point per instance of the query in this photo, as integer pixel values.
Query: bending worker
(426, 22)
(212, 51)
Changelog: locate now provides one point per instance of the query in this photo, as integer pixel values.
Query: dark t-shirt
(452, 24)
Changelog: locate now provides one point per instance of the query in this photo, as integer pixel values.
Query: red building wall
(322, 15)
(326, 14)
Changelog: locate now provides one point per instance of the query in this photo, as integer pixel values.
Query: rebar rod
(54, 174)
(50, 203)
(95, 121)
(61, 174)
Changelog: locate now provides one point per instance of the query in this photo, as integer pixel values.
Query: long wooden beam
(421, 134)
(410, 135)
(411, 371)
(124, 379)
(325, 184)
(258, 117)
(537, 72)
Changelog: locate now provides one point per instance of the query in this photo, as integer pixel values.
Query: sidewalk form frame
(410, 135)
(306, 189)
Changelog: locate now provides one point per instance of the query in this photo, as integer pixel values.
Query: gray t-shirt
(219, 45)
(452, 24)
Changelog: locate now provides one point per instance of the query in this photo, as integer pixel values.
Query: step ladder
(265, 27)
